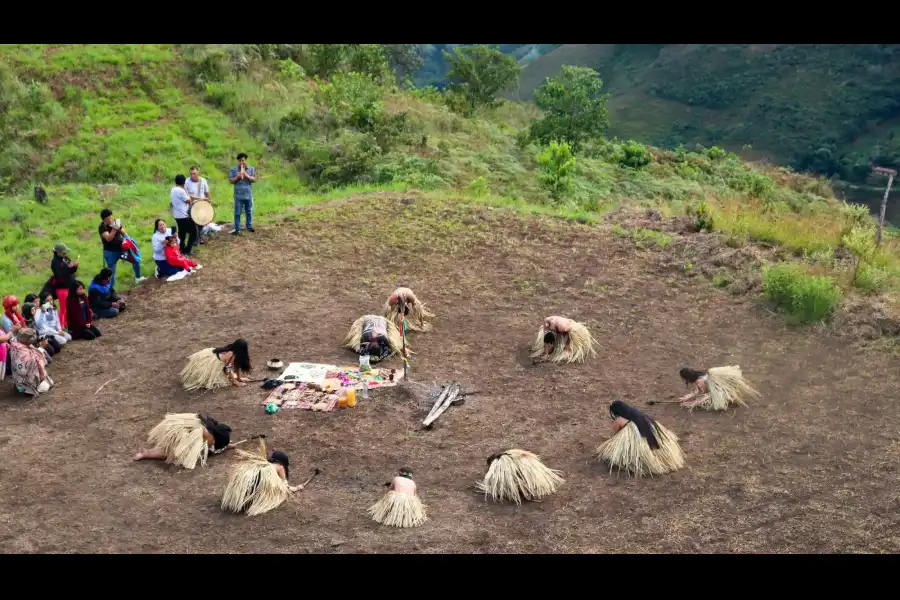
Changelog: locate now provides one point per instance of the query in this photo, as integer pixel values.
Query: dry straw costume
(258, 485)
(401, 506)
(213, 368)
(376, 336)
(516, 475)
(404, 302)
(186, 439)
(640, 446)
(563, 340)
(718, 388)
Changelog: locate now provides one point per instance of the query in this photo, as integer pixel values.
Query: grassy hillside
(826, 107)
(111, 126)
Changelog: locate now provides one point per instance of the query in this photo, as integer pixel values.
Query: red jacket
(176, 259)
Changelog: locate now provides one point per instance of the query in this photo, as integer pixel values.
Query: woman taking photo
(63, 278)
(213, 368)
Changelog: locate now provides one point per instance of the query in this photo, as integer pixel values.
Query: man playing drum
(181, 210)
(198, 189)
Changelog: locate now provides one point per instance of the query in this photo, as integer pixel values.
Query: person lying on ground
(63, 277)
(258, 485)
(718, 388)
(563, 340)
(175, 259)
(213, 368)
(81, 318)
(47, 322)
(105, 302)
(49, 347)
(186, 439)
(403, 301)
(29, 373)
(375, 336)
(160, 233)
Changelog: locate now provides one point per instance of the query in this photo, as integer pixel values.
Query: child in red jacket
(176, 259)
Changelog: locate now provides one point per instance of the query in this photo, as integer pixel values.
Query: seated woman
(563, 340)
(258, 485)
(5, 355)
(375, 336)
(716, 389)
(401, 506)
(640, 446)
(79, 314)
(516, 475)
(28, 370)
(174, 258)
(12, 319)
(163, 269)
(213, 368)
(105, 302)
(404, 301)
(48, 347)
(186, 439)
(47, 322)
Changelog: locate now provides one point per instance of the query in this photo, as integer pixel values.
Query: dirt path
(809, 468)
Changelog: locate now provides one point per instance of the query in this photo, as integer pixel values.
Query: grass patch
(806, 298)
(643, 238)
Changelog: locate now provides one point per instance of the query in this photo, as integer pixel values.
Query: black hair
(179, 179)
(643, 422)
(30, 298)
(193, 169)
(104, 274)
(406, 472)
(45, 296)
(280, 458)
(220, 431)
(689, 375)
(156, 224)
(105, 213)
(74, 287)
(549, 337)
(241, 354)
(494, 457)
(28, 311)
(241, 155)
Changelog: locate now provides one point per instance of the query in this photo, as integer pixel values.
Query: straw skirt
(519, 475)
(181, 436)
(204, 370)
(353, 340)
(583, 345)
(254, 487)
(398, 509)
(628, 451)
(417, 320)
(727, 388)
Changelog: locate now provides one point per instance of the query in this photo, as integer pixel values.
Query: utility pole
(890, 173)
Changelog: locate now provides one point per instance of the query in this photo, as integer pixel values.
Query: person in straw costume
(718, 388)
(376, 336)
(640, 446)
(257, 484)
(563, 340)
(401, 506)
(186, 439)
(404, 302)
(213, 368)
(516, 475)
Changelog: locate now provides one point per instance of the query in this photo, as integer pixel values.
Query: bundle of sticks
(451, 393)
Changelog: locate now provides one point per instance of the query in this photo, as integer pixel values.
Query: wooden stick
(652, 402)
(447, 402)
(250, 439)
(104, 385)
(440, 399)
(316, 472)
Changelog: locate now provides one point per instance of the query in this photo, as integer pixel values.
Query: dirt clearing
(811, 467)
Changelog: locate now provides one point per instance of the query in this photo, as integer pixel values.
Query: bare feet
(139, 455)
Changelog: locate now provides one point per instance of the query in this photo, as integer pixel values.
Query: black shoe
(251, 230)
(235, 232)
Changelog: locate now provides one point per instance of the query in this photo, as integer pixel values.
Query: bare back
(404, 485)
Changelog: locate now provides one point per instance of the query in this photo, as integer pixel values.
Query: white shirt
(159, 244)
(181, 207)
(47, 323)
(200, 188)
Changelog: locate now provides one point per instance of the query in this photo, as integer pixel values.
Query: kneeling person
(258, 485)
(563, 340)
(375, 336)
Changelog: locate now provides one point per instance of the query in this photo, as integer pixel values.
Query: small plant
(702, 215)
(860, 241)
(715, 153)
(807, 298)
(557, 164)
(721, 280)
(634, 155)
(479, 187)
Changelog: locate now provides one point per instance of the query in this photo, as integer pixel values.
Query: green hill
(825, 107)
(111, 125)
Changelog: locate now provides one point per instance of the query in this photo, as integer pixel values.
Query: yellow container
(351, 397)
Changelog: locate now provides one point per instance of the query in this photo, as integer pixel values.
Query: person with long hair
(48, 345)
(63, 277)
(403, 301)
(640, 445)
(186, 440)
(12, 319)
(515, 475)
(81, 317)
(164, 270)
(563, 340)
(213, 368)
(47, 322)
(29, 372)
(718, 388)
(258, 484)
(105, 302)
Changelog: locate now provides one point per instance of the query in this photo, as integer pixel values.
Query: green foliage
(557, 165)
(325, 59)
(371, 60)
(574, 109)
(702, 215)
(479, 74)
(860, 241)
(806, 297)
(634, 155)
(479, 187)
(351, 99)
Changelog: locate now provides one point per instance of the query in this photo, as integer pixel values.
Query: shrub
(634, 155)
(860, 241)
(806, 297)
(352, 99)
(479, 187)
(557, 164)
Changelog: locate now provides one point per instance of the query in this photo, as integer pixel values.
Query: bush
(557, 164)
(807, 297)
(479, 187)
(574, 109)
(634, 155)
(352, 99)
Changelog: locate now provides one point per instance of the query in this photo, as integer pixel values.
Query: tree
(557, 165)
(405, 59)
(574, 109)
(479, 73)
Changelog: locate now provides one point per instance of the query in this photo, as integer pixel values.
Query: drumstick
(316, 472)
(249, 439)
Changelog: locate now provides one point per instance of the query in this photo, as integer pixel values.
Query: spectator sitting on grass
(175, 259)
(81, 317)
(105, 303)
(47, 322)
(163, 269)
(29, 372)
(47, 346)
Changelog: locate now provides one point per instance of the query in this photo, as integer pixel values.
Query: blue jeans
(165, 269)
(109, 313)
(112, 259)
(247, 205)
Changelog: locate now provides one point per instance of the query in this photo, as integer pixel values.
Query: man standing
(243, 177)
(112, 234)
(181, 210)
(198, 189)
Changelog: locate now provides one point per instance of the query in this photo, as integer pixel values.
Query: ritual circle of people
(639, 446)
